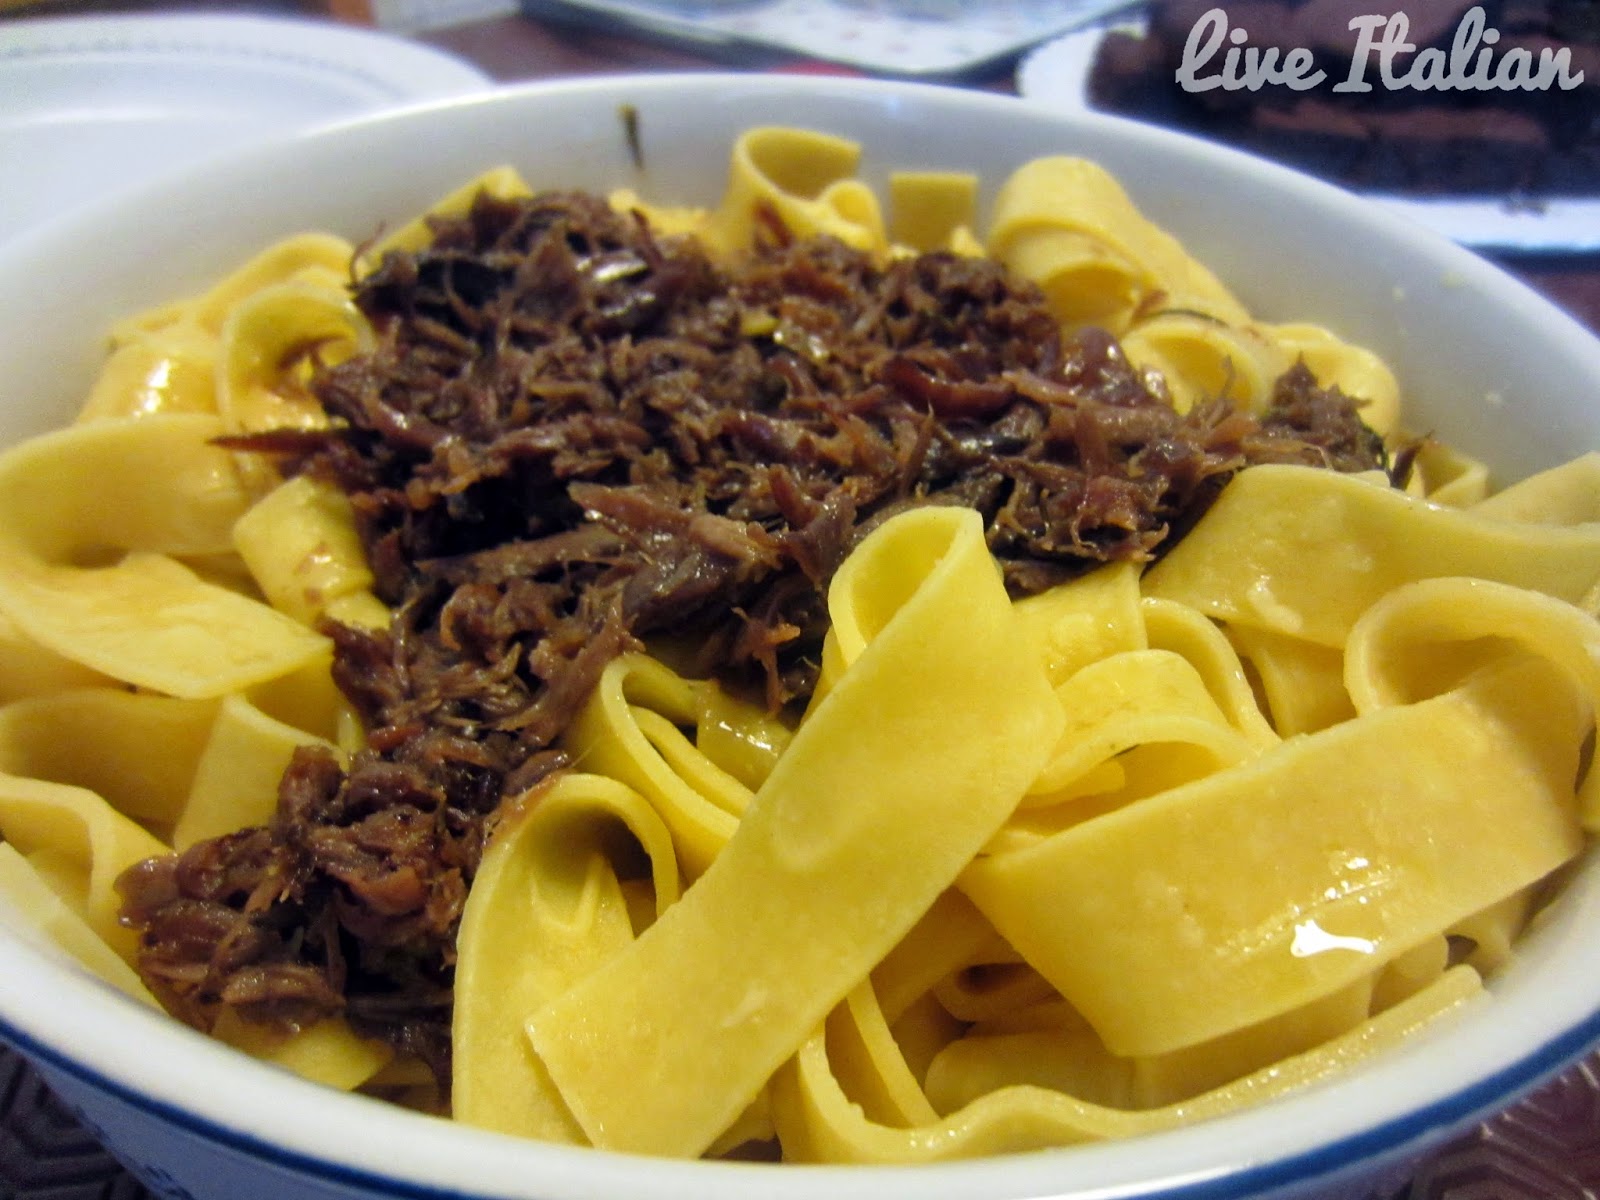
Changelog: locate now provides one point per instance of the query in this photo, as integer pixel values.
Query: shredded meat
(574, 436)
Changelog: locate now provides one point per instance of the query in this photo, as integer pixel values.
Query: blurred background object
(90, 104)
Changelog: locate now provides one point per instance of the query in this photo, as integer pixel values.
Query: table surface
(1545, 1148)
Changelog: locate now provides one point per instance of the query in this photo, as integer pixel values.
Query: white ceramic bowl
(1484, 362)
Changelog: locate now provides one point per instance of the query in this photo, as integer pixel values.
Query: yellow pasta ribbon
(269, 341)
(328, 1052)
(880, 799)
(103, 740)
(803, 178)
(817, 1120)
(1202, 358)
(58, 926)
(166, 370)
(1342, 851)
(1426, 636)
(144, 490)
(300, 544)
(928, 209)
(30, 669)
(608, 738)
(79, 844)
(1068, 225)
(1248, 562)
(234, 783)
(503, 182)
(545, 910)
(1354, 370)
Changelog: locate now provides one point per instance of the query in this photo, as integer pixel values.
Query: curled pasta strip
(879, 789)
(136, 493)
(609, 739)
(1246, 562)
(1302, 681)
(1203, 359)
(502, 182)
(1138, 699)
(1129, 917)
(56, 926)
(545, 910)
(807, 181)
(79, 844)
(1085, 620)
(933, 210)
(1066, 224)
(30, 669)
(100, 739)
(1431, 633)
(300, 545)
(170, 369)
(234, 783)
(818, 1121)
(269, 336)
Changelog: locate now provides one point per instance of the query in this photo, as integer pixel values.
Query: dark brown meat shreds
(573, 436)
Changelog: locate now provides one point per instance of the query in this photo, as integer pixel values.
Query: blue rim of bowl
(1392, 1137)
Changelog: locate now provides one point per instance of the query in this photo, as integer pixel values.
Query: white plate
(1056, 74)
(89, 104)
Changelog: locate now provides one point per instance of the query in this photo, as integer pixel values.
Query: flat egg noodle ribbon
(165, 360)
(931, 210)
(88, 766)
(1068, 225)
(1302, 681)
(1189, 633)
(166, 370)
(607, 739)
(868, 817)
(1086, 619)
(1226, 901)
(805, 179)
(818, 1122)
(264, 335)
(502, 182)
(101, 739)
(1248, 562)
(55, 926)
(1445, 475)
(152, 488)
(300, 544)
(29, 669)
(1070, 1058)
(234, 783)
(1565, 495)
(1424, 635)
(79, 844)
(1132, 699)
(315, 256)
(545, 909)
(328, 1052)
(1202, 359)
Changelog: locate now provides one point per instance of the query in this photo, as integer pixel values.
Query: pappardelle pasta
(1035, 855)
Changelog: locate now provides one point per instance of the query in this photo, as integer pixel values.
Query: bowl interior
(1483, 362)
